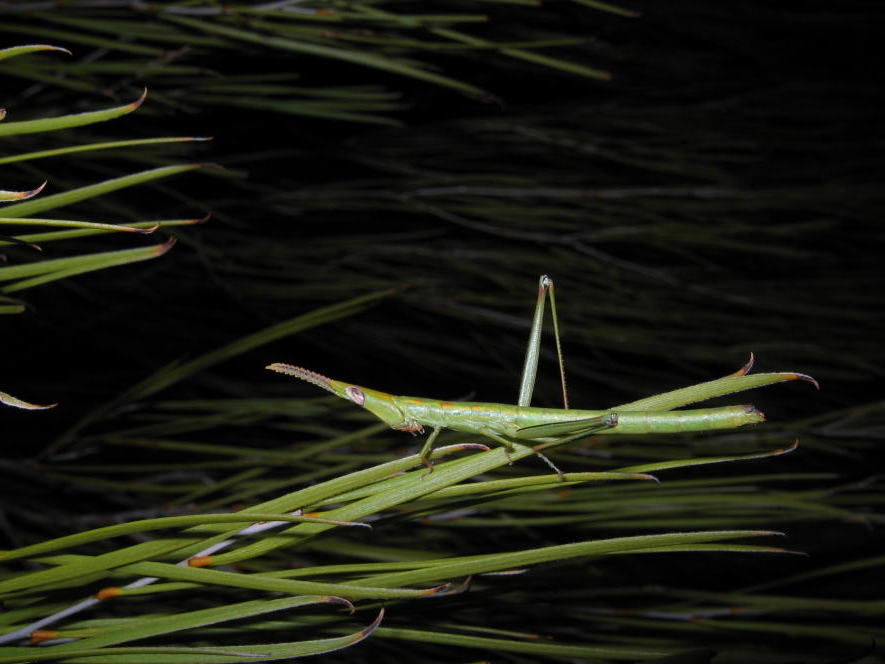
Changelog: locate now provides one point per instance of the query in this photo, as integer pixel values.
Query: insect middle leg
(428, 448)
(508, 447)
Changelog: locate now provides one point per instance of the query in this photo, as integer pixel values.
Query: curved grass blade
(68, 223)
(9, 400)
(147, 525)
(503, 487)
(20, 195)
(94, 648)
(209, 577)
(355, 57)
(66, 121)
(139, 225)
(30, 48)
(106, 145)
(529, 56)
(89, 191)
(537, 647)
(61, 268)
(685, 463)
(466, 565)
(715, 388)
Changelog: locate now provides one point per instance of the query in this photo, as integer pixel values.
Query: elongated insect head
(380, 404)
(305, 374)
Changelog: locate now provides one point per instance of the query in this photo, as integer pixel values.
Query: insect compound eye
(355, 394)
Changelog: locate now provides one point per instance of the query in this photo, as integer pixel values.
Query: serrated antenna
(304, 374)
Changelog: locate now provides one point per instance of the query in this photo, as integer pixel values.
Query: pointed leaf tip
(332, 599)
(367, 631)
(806, 378)
(48, 47)
(21, 195)
(787, 450)
(161, 249)
(29, 48)
(9, 400)
(138, 102)
(747, 368)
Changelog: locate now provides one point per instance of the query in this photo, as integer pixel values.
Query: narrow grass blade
(60, 268)
(90, 147)
(145, 525)
(536, 647)
(140, 225)
(95, 648)
(466, 565)
(31, 48)
(700, 461)
(711, 389)
(68, 223)
(89, 191)
(209, 577)
(9, 400)
(67, 121)
(364, 59)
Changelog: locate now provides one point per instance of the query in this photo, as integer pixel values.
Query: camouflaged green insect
(521, 423)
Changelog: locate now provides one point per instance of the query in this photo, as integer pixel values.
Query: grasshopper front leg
(428, 448)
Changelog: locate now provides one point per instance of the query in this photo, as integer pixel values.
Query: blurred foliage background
(701, 182)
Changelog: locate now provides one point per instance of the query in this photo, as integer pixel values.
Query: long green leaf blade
(31, 48)
(67, 121)
(89, 191)
(710, 389)
(63, 267)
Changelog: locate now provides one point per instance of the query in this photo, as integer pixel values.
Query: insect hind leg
(508, 446)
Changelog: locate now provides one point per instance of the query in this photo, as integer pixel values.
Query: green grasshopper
(544, 427)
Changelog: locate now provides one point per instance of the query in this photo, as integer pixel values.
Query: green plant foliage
(167, 43)
(350, 478)
(15, 278)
